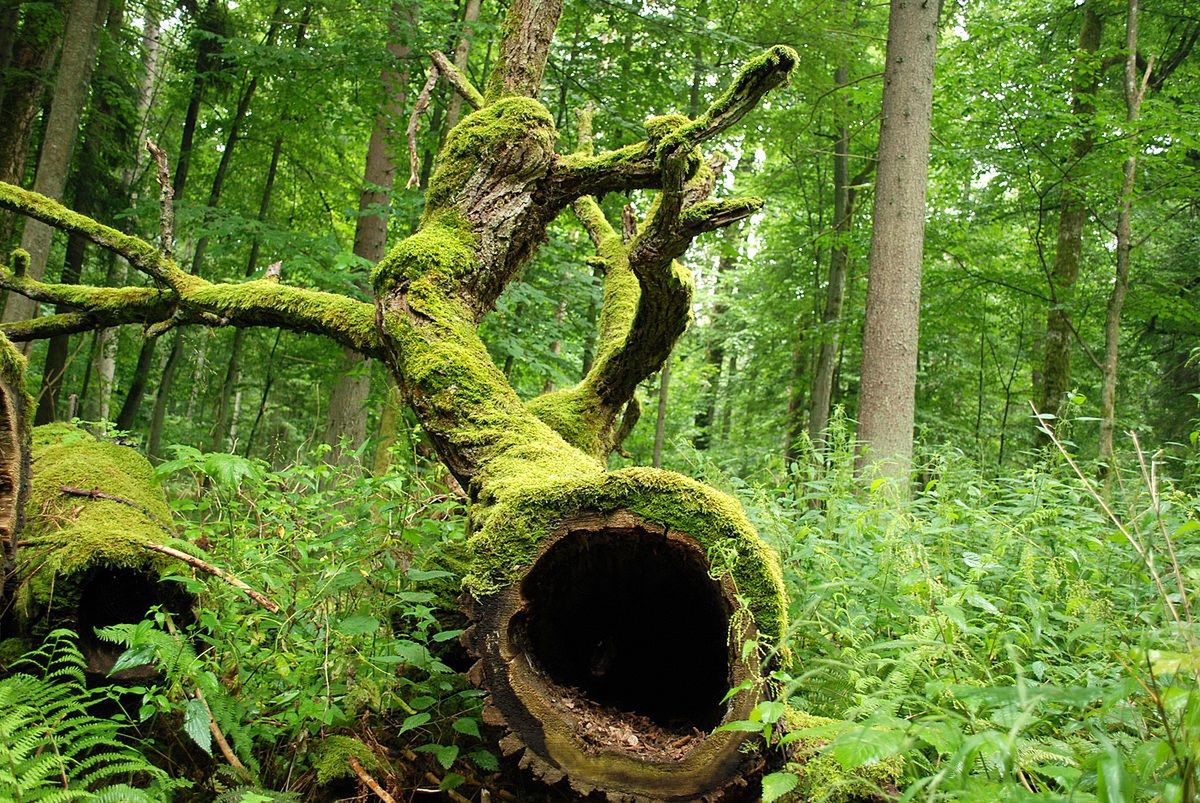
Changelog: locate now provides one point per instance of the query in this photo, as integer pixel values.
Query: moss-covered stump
(14, 464)
(93, 508)
(614, 627)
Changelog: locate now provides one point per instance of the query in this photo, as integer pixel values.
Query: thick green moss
(12, 371)
(822, 777)
(333, 758)
(510, 530)
(443, 247)
(481, 135)
(71, 533)
(268, 299)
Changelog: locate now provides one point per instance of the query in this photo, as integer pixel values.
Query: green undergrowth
(993, 639)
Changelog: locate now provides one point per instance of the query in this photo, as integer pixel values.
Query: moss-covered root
(15, 405)
(822, 778)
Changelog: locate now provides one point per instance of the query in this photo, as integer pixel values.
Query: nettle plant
(635, 589)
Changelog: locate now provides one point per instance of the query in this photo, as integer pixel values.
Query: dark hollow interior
(633, 621)
(115, 595)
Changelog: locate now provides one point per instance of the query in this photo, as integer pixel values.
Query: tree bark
(1134, 93)
(35, 43)
(62, 128)
(1055, 376)
(890, 334)
(839, 265)
(346, 425)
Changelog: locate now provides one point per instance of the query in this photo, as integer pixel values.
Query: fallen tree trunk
(614, 611)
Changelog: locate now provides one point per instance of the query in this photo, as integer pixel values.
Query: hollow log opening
(632, 620)
(609, 660)
(118, 595)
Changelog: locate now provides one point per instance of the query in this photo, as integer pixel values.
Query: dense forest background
(267, 113)
(1015, 624)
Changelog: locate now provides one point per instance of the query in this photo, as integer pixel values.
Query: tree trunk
(660, 420)
(89, 180)
(346, 425)
(14, 466)
(141, 376)
(29, 63)
(62, 128)
(221, 424)
(1134, 92)
(163, 394)
(1055, 376)
(106, 345)
(637, 599)
(889, 369)
(714, 353)
(839, 264)
(461, 53)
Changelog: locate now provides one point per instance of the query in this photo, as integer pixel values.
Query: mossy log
(94, 512)
(15, 406)
(610, 608)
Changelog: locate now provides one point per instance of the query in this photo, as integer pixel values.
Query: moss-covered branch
(265, 302)
(647, 301)
(139, 253)
(460, 83)
(640, 166)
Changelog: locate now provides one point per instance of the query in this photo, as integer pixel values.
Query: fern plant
(52, 748)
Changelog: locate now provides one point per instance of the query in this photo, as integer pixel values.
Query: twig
(371, 783)
(219, 736)
(166, 198)
(96, 493)
(414, 162)
(450, 793)
(215, 571)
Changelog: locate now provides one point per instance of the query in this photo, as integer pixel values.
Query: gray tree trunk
(889, 369)
(62, 129)
(1134, 93)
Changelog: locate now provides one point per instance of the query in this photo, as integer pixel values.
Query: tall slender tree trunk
(1134, 92)
(839, 264)
(225, 420)
(461, 53)
(141, 376)
(106, 341)
(163, 394)
(88, 182)
(30, 46)
(889, 369)
(62, 128)
(660, 422)
(714, 353)
(347, 417)
(1056, 364)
